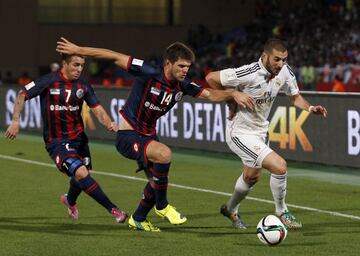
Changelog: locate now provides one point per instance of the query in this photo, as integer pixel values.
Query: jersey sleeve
(90, 97)
(290, 87)
(193, 89)
(233, 77)
(138, 67)
(36, 87)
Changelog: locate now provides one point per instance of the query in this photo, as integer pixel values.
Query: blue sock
(160, 173)
(146, 204)
(93, 189)
(74, 191)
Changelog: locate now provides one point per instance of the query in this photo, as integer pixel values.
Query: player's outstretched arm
(104, 118)
(300, 102)
(14, 128)
(213, 79)
(243, 99)
(67, 47)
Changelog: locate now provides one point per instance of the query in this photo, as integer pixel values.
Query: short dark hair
(274, 43)
(67, 57)
(177, 51)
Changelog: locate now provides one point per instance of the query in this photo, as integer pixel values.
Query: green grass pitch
(33, 221)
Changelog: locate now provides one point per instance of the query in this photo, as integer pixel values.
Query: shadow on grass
(56, 225)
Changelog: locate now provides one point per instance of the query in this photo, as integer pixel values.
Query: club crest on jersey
(55, 91)
(179, 96)
(155, 91)
(277, 82)
(136, 147)
(80, 93)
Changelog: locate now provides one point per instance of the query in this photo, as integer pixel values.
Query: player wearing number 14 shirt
(155, 91)
(61, 97)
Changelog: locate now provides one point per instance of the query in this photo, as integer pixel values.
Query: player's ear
(167, 62)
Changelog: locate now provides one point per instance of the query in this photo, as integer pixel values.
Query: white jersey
(257, 82)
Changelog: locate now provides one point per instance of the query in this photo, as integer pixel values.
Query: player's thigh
(275, 164)
(84, 153)
(252, 149)
(66, 157)
(133, 145)
(158, 152)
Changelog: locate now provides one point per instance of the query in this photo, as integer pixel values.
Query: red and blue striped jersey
(61, 104)
(152, 95)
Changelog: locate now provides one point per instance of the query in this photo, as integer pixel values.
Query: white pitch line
(338, 214)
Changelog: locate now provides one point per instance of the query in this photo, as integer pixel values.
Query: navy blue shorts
(132, 145)
(76, 149)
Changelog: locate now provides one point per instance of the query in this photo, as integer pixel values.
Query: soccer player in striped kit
(62, 94)
(154, 92)
(247, 131)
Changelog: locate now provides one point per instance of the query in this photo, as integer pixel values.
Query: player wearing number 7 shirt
(62, 94)
(154, 92)
(247, 132)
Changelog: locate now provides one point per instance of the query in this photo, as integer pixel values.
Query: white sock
(278, 189)
(240, 192)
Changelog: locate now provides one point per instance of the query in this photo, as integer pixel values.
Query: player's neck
(263, 62)
(64, 75)
(168, 76)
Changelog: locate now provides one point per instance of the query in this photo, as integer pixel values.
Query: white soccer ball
(271, 231)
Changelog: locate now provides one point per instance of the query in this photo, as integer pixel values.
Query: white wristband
(311, 108)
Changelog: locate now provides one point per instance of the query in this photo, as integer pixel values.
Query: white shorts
(252, 149)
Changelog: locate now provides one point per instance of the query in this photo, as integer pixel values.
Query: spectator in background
(24, 79)
(9, 79)
(108, 78)
(347, 73)
(326, 73)
(308, 74)
(119, 82)
(93, 68)
(338, 85)
(230, 48)
(54, 67)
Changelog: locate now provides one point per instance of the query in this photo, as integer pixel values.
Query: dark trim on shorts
(244, 148)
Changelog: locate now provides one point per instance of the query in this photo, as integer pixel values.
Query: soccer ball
(271, 231)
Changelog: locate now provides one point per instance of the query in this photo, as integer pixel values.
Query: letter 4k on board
(285, 138)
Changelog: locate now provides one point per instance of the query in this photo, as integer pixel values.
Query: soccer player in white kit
(247, 131)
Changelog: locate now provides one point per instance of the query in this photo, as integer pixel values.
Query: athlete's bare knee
(281, 167)
(81, 172)
(164, 155)
(251, 179)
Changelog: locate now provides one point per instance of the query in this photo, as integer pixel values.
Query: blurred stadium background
(323, 35)
(324, 154)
